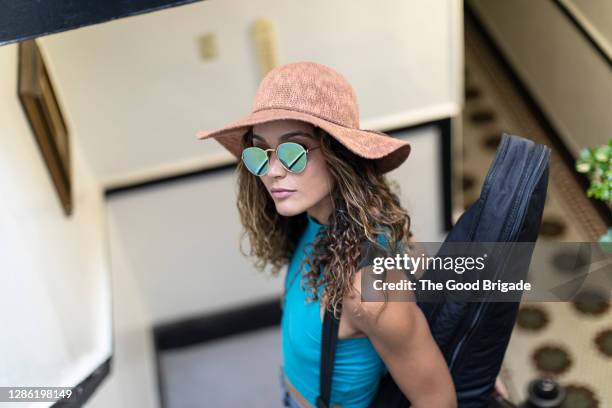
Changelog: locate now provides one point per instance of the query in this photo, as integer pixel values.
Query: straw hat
(313, 93)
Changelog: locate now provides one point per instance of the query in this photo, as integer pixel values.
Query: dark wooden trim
(444, 125)
(209, 327)
(203, 328)
(168, 179)
(447, 173)
(26, 19)
(44, 114)
(84, 390)
(194, 330)
(446, 163)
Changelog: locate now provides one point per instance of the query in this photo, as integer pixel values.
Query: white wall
(133, 380)
(137, 92)
(55, 279)
(180, 240)
(140, 91)
(181, 243)
(567, 77)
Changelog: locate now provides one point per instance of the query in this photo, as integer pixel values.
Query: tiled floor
(555, 339)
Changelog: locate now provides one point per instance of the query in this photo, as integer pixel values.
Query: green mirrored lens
(255, 160)
(293, 156)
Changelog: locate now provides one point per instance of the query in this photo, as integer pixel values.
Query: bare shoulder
(391, 318)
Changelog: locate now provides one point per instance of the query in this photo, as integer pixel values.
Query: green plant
(595, 163)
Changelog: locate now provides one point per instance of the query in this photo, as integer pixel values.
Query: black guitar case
(473, 336)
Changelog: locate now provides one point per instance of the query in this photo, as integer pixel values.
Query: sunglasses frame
(306, 150)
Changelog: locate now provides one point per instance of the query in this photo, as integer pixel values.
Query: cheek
(317, 181)
(265, 181)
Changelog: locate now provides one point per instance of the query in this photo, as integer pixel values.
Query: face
(294, 193)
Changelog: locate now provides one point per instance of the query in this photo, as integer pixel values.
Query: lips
(281, 192)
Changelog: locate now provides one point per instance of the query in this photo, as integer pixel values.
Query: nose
(276, 168)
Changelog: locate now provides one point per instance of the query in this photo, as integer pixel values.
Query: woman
(312, 191)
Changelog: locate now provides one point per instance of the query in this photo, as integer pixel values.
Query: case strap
(329, 338)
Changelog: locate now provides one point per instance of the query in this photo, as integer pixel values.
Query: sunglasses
(292, 156)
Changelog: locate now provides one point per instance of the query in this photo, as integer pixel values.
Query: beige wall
(55, 278)
(135, 91)
(568, 78)
(596, 18)
(139, 89)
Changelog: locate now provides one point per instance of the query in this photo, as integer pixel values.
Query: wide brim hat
(317, 94)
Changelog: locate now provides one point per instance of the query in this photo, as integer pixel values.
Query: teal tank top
(357, 367)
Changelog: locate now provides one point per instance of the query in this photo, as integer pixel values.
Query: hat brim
(387, 151)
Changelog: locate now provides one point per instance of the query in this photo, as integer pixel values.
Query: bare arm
(400, 334)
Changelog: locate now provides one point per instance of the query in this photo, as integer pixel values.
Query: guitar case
(473, 336)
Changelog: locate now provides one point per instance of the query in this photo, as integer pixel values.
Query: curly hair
(364, 206)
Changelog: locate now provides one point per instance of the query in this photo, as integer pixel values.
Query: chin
(287, 209)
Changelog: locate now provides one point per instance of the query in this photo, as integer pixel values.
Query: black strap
(329, 338)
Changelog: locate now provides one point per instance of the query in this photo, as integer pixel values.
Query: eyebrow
(286, 136)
